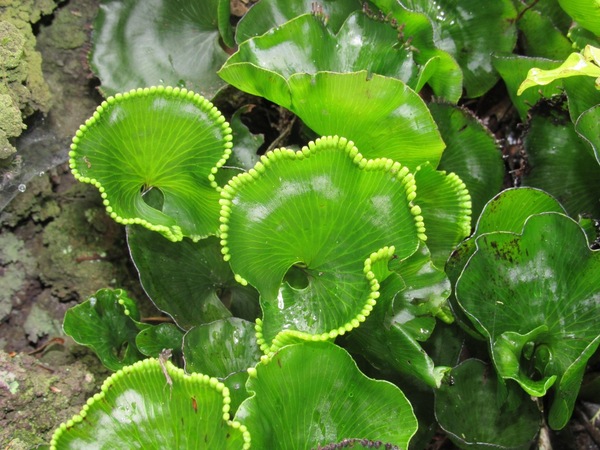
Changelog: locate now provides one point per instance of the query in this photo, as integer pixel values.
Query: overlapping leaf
(142, 406)
(268, 14)
(507, 212)
(312, 394)
(223, 349)
(562, 163)
(471, 152)
(165, 138)
(479, 412)
(189, 280)
(411, 297)
(304, 67)
(536, 296)
(471, 31)
(325, 221)
(142, 43)
(108, 323)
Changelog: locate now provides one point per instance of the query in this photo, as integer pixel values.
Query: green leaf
(471, 31)
(577, 64)
(410, 297)
(446, 208)
(244, 154)
(560, 162)
(443, 72)
(535, 296)
(326, 216)
(312, 394)
(143, 43)
(541, 35)
(394, 123)
(187, 280)
(165, 138)
(513, 69)
(268, 14)
(471, 152)
(305, 45)
(477, 411)
(507, 211)
(107, 322)
(586, 13)
(223, 349)
(224, 23)
(153, 340)
(588, 127)
(148, 405)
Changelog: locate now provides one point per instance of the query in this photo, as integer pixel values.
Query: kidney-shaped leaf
(189, 280)
(478, 412)
(324, 216)
(536, 297)
(107, 322)
(141, 43)
(154, 405)
(160, 137)
(312, 394)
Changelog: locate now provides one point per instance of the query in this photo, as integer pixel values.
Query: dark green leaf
(189, 280)
(153, 340)
(471, 31)
(480, 412)
(471, 152)
(107, 322)
(507, 211)
(535, 297)
(560, 162)
(143, 43)
(268, 14)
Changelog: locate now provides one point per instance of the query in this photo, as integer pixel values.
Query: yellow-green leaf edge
(384, 254)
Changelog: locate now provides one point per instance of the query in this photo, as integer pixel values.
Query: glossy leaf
(394, 123)
(404, 316)
(153, 340)
(444, 75)
(163, 138)
(446, 208)
(480, 412)
(311, 394)
(562, 163)
(326, 217)
(471, 31)
(148, 405)
(189, 280)
(305, 45)
(281, 67)
(535, 297)
(541, 35)
(507, 212)
(588, 127)
(244, 154)
(268, 14)
(471, 152)
(143, 43)
(223, 349)
(513, 69)
(585, 13)
(107, 322)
